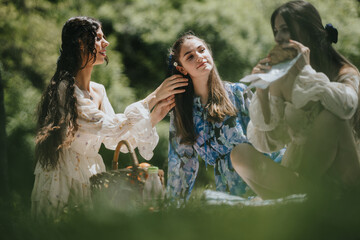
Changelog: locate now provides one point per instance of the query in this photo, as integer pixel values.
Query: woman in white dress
(75, 117)
(313, 111)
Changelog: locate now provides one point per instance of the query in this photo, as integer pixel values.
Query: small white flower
(175, 64)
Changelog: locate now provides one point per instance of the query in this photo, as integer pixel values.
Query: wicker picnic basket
(120, 187)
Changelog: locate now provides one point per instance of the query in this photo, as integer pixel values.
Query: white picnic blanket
(221, 198)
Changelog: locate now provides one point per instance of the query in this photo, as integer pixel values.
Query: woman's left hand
(303, 50)
(161, 109)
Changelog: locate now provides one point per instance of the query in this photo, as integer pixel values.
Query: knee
(328, 119)
(328, 123)
(240, 155)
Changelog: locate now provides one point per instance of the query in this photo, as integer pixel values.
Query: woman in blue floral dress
(208, 121)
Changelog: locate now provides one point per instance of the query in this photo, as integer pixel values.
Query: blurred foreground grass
(313, 219)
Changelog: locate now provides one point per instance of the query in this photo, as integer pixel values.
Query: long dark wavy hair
(305, 26)
(56, 120)
(218, 106)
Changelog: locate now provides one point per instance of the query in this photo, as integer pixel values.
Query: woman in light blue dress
(208, 121)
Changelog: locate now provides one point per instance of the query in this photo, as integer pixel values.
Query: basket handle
(131, 151)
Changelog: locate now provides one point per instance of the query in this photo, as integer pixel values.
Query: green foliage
(140, 33)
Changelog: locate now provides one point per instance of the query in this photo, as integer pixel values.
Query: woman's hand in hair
(170, 86)
(161, 109)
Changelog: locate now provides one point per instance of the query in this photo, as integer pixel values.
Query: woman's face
(195, 59)
(100, 46)
(281, 30)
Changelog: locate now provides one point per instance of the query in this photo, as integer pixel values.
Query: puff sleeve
(340, 98)
(133, 125)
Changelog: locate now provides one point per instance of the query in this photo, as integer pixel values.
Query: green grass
(197, 220)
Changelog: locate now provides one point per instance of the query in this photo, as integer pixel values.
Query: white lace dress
(289, 124)
(69, 182)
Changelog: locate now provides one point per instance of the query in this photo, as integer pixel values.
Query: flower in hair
(332, 33)
(170, 64)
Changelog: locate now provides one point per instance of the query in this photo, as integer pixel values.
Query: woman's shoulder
(239, 94)
(230, 86)
(349, 70)
(98, 88)
(238, 90)
(349, 74)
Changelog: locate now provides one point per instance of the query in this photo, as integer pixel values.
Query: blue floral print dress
(214, 143)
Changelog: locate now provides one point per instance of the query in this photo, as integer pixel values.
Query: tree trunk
(4, 180)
